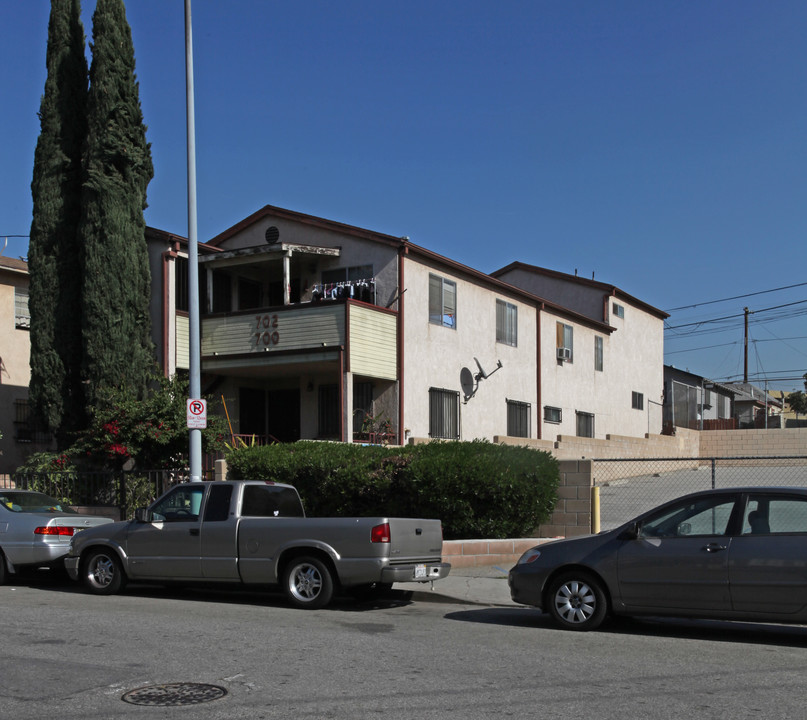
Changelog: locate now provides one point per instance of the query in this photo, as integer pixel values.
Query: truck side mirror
(143, 515)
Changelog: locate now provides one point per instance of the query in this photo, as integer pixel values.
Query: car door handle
(194, 531)
(714, 547)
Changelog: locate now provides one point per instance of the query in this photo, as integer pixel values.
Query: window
(619, 311)
(270, 501)
(182, 505)
(552, 414)
(709, 516)
(585, 425)
(25, 427)
(565, 338)
(506, 323)
(598, 353)
(222, 292)
(444, 414)
(518, 419)
(22, 316)
(442, 302)
(329, 411)
(181, 300)
(770, 515)
(637, 401)
(217, 508)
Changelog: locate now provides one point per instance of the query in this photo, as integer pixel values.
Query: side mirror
(143, 515)
(631, 532)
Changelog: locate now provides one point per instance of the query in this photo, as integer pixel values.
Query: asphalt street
(462, 650)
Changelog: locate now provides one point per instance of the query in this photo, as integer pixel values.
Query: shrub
(477, 489)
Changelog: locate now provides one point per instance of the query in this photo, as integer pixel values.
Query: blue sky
(659, 146)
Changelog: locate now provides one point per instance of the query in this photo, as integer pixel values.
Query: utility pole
(745, 347)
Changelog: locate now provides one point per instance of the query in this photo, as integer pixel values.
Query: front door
(169, 546)
(680, 559)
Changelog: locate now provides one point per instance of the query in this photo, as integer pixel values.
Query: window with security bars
(506, 323)
(328, 411)
(442, 302)
(585, 425)
(518, 419)
(25, 427)
(444, 414)
(22, 316)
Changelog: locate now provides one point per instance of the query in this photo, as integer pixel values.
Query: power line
(737, 297)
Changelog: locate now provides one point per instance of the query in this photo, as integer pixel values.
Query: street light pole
(195, 391)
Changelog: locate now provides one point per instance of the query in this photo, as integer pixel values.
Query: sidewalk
(483, 585)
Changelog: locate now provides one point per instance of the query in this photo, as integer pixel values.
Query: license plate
(420, 572)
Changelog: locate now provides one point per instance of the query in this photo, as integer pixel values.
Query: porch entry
(274, 414)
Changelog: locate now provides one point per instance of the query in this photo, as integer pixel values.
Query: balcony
(303, 333)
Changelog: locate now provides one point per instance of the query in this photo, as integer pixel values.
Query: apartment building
(604, 377)
(311, 328)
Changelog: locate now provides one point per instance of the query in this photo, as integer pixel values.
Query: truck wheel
(308, 583)
(102, 573)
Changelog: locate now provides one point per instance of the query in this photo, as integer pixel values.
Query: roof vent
(272, 235)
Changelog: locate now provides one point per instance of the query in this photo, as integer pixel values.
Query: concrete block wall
(476, 553)
(572, 514)
(745, 443)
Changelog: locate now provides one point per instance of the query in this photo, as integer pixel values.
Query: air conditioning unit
(564, 353)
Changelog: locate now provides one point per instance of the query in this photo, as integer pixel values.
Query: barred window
(585, 425)
(506, 323)
(518, 418)
(444, 414)
(25, 428)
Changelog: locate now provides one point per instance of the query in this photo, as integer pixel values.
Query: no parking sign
(197, 414)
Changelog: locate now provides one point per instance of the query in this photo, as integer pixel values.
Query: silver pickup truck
(255, 533)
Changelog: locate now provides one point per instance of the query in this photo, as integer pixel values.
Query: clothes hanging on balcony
(363, 290)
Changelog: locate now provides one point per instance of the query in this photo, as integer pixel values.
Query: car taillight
(380, 533)
(53, 530)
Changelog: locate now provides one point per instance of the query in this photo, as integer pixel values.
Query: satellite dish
(482, 373)
(467, 383)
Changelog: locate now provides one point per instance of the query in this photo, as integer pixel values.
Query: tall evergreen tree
(53, 253)
(116, 284)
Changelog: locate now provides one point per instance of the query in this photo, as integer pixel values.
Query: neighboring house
(315, 329)
(791, 418)
(755, 408)
(609, 375)
(20, 436)
(696, 403)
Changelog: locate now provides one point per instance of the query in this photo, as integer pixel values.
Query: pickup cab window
(270, 501)
(181, 505)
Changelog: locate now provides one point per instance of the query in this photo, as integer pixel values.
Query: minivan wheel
(308, 583)
(577, 601)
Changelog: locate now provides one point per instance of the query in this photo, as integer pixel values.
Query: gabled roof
(403, 244)
(607, 289)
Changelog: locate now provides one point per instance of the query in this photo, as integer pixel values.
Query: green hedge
(477, 489)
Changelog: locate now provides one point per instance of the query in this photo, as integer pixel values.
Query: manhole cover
(174, 694)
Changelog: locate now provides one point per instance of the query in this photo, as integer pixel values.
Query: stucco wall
(435, 355)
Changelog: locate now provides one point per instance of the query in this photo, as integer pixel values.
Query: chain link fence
(629, 487)
(123, 490)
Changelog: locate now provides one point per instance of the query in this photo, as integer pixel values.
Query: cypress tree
(53, 253)
(116, 285)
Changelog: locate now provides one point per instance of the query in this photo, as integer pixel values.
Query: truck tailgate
(413, 540)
